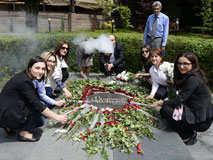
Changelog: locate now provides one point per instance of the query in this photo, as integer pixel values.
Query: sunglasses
(184, 64)
(144, 52)
(65, 48)
(50, 61)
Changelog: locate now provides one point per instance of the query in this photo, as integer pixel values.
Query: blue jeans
(49, 92)
(36, 120)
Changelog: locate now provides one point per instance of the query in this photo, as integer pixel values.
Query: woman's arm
(62, 86)
(42, 93)
(61, 118)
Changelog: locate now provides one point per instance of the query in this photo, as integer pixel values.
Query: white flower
(112, 82)
(109, 109)
(119, 76)
(125, 78)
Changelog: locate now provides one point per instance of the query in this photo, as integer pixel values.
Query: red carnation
(106, 112)
(68, 83)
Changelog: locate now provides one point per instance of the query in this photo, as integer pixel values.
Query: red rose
(110, 117)
(68, 83)
(72, 123)
(104, 133)
(106, 112)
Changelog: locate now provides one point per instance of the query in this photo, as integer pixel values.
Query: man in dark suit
(116, 61)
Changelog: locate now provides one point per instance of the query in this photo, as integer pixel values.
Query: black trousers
(184, 129)
(118, 69)
(161, 92)
(65, 74)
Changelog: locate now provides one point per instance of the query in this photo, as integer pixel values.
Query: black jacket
(196, 95)
(18, 100)
(118, 53)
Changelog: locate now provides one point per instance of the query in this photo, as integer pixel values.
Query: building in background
(82, 14)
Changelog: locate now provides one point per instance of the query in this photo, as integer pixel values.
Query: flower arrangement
(126, 76)
(111, 127)
(168, 70)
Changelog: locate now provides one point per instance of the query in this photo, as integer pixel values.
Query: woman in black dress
(192, 110)
(20, 107)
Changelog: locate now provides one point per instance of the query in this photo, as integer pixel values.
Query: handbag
(177, 113)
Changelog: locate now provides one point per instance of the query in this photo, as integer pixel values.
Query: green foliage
(108, 25)
(15, 51)
(202, 30)
(125, 15)
(108, 7)
(62, 24)
(206, 13)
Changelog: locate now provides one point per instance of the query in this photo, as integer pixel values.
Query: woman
(84, 60)
(147, 64)
(46, 97)
(20, 107)
(192, 109)
(158, 75)
(60, 73)
(145, 58)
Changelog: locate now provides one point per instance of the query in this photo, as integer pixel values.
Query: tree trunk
(32, 8)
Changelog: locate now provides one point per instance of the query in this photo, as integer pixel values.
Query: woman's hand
(83, 75)
(67, 93)
(138, 75)
(62, 118)
(59, 103)
(157, 104)
(170, 81)
(150, 97)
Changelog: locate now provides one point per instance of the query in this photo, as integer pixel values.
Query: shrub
(15, 51)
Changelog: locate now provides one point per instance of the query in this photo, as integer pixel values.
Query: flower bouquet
(107, 127)
(168, 70)
(126, 76)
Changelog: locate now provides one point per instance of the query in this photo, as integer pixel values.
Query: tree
(32, 9)
(206, 13)
(110, 6)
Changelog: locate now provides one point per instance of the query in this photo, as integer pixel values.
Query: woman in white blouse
(158, 75)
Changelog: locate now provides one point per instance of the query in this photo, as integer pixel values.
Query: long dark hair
(31, 62)
(146, 62)
(57, 50)
(180, 78)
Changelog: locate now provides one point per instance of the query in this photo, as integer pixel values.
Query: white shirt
(158, 76)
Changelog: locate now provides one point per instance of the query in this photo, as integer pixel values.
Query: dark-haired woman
(147, 64)
(192, 110)
(60, 73)
(20, 106)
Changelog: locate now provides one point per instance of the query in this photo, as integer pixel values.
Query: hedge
(16, 50)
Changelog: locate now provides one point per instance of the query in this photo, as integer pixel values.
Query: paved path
(166, 146)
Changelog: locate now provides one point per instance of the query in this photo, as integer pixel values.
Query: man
(157, 28)
(116, 61)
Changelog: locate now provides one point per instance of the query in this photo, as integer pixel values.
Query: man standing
(116, 61)
(157, 28)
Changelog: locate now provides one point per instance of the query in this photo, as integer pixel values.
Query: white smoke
(105, 44)
(78, 40)
(89, 45)
(102, 44)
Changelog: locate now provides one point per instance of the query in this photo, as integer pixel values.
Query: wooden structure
(82, 14)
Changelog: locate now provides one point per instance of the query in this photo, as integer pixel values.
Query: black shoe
(9, 132)
(25, 139)
(192, 140)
